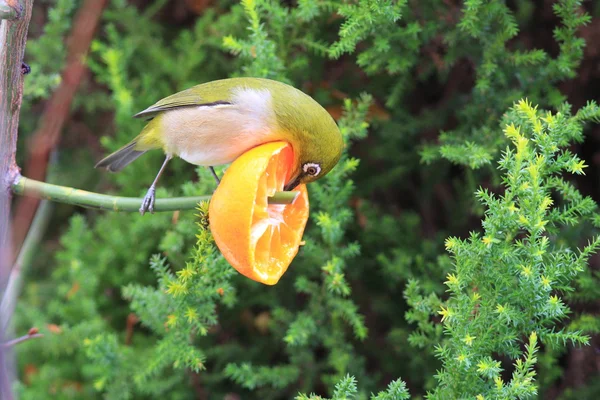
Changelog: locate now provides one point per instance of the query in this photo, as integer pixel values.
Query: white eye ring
(311, 169)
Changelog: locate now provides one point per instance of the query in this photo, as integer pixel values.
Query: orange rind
(258, 239)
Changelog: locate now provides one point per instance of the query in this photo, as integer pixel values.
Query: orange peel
(258, 239)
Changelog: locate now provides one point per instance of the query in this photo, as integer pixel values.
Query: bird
(215, 122)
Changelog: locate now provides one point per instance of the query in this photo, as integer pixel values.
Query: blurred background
(420, 88)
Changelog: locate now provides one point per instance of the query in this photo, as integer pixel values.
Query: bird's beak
(291, 185)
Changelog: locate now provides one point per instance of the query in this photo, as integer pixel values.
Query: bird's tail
(121, 158)
(148, 139)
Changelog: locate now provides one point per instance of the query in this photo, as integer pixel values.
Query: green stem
(62, 194)
(7, 12)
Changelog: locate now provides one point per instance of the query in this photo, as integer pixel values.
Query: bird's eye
(311, 169)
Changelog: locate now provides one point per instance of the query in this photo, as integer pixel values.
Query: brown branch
(57, 109)
(12, 46)
(32, 334)
(132, 319)
(13, 35)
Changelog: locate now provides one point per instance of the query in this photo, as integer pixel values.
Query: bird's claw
(148, 202)
(214, 174)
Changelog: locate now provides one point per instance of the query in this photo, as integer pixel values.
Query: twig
(132, 319)
(18, 340)
(57, 109)
(63, 194)
(24, 259)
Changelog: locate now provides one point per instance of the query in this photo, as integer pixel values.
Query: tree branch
(18, 340)
(13, 35)
(63, 194)
(12, 47)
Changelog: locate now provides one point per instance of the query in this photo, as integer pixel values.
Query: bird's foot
(214, 174)
(148, 202)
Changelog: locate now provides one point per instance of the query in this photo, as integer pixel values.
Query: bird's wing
(187, 98)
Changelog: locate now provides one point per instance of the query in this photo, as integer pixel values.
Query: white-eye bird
(215, 122)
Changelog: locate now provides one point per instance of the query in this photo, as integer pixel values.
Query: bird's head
(314, 160)
(313, 134)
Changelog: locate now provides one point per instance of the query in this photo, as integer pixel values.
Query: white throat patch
(256, 105)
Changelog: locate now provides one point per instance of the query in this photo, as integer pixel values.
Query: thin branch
(24, 259)
(13, 35)
(63, 194)
(57, 110)
(18, 340)
(132, 319)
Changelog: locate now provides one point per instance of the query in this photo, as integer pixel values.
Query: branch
(31, 335)
(12, 47)
(57, 110)
(24, 260)
(63, 194)
(13, 35)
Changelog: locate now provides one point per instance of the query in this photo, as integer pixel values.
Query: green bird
(215, 122)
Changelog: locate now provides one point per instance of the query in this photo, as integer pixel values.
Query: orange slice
(260, 240)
